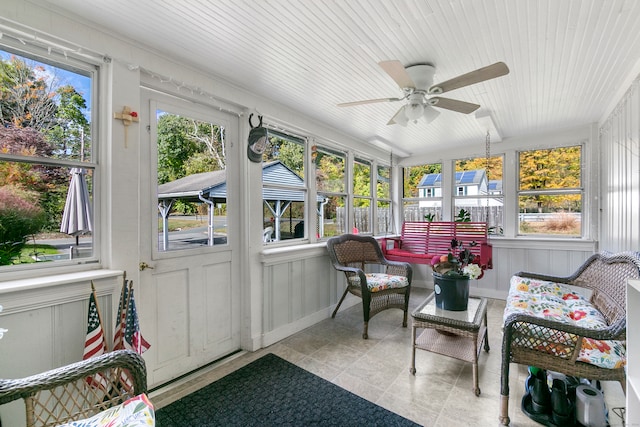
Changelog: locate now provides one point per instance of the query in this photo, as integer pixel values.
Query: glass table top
(428, 311)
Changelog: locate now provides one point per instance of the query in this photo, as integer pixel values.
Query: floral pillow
(557, 302)
(135, 412)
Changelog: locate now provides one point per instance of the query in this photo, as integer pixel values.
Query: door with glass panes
(188, 235)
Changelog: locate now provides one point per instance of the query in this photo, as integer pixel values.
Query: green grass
(30, 250)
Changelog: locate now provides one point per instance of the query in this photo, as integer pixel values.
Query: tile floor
(377, 369)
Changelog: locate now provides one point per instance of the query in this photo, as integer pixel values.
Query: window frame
(581, 190)
(304, 187)
(346, 192)
(93, 69)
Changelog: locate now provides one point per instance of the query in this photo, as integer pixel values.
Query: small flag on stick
(118, 335)
(95, 343)
(132, 335)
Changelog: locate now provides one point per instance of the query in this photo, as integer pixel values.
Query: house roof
(463, 178)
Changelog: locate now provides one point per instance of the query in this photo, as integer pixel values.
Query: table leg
(486, 334)
(476, 387)
(413, 350)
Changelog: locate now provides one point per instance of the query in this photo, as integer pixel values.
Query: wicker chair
(64, 394)
(352, 254)
(606, 276)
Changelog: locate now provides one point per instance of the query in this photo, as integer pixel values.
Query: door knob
(143, 266)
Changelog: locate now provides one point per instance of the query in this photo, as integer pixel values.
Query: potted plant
(451, 275)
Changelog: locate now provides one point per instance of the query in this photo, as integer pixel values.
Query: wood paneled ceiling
(568, 58)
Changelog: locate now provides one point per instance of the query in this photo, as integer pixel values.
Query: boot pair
(555, 402)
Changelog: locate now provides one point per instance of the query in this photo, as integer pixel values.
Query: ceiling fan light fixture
(413, 111)
(430, 113)
(401, 117)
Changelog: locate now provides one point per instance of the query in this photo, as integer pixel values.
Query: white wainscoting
(301, 287)
(46, 322)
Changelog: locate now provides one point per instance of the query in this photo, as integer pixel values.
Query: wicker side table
(457, 334)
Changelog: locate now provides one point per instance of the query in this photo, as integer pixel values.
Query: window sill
(271, 256)
(28, 294)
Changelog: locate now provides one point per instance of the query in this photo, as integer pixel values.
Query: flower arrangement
(457, 263)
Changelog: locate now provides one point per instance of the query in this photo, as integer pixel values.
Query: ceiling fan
(416, 81)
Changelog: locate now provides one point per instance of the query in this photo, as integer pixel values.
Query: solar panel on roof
(468, 177)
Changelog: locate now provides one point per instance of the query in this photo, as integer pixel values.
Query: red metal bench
(421, 241)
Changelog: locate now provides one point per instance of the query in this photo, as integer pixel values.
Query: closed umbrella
(76, 217)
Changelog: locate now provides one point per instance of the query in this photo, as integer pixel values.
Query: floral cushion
(557, 302)
(380, 281)
(135, 412)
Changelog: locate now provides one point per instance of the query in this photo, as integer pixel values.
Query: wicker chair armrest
(13, 389)
(612, 332)
(529, 275)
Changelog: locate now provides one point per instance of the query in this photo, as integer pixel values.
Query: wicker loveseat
(81, 390)
(574, 325)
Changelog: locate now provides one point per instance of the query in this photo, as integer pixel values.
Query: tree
(71, 134)
(187, 146)
(26, 100)
(557, 168)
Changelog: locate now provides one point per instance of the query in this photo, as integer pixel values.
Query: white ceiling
(567, 58)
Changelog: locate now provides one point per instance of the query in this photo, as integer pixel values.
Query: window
(383, 194)
(332, 190)
(479, 191)
(47, 164)
(362, 197)
(550, 192)
(283, 187)
(192, 179)
(422, 197)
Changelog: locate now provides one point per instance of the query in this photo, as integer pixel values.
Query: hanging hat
(257, 141)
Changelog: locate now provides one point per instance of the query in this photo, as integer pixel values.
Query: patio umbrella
(76, 217)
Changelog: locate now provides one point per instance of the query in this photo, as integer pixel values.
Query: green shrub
(20, 217)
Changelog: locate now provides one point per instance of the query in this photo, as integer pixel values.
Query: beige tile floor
(377, 369)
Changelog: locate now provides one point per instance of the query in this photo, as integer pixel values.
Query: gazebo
(211, 188)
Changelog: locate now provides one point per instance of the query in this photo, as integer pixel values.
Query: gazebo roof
(213, 185)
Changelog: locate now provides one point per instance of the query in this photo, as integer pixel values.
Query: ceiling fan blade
(453, 104)
(397, 72)
(369, 101)
(481, 74)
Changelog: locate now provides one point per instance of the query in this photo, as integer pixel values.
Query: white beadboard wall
(620, 174)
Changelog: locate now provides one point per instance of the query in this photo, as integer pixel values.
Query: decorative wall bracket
(127, 116)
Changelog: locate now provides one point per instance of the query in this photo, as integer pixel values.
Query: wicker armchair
(352, 254)
(64, 394)
(525, 337)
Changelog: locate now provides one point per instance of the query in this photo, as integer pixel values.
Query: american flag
(118, 342)
(132, 335)
(94, 344)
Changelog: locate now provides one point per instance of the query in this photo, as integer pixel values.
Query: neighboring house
(467, 183)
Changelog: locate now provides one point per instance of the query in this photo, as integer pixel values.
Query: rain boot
(540, 396)
(562, 412)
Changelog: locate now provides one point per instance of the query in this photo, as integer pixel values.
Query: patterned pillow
(135, 412)
(380, 281)
(557, 302)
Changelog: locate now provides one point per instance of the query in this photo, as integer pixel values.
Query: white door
(189, 269)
